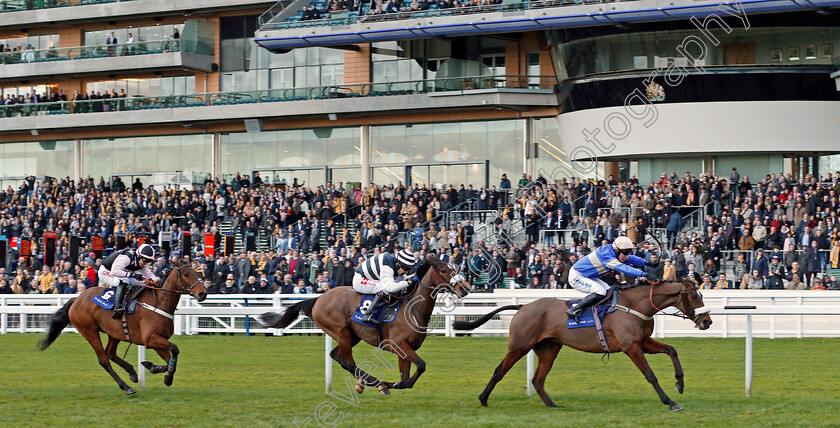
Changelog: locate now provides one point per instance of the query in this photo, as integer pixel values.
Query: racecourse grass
(269, 381)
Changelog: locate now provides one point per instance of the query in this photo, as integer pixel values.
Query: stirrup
(574, 313)
(117, 313)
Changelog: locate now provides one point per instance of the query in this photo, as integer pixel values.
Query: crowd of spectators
(314, 11)
(779, 233)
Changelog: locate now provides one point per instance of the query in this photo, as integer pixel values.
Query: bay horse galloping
(542, 326)
(151, 325)
(333, 313)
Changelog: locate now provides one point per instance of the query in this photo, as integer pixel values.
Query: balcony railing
(90, 52)
(19, 5)
(448, 84)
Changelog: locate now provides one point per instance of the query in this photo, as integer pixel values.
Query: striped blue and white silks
(585, 274)
(377, 274)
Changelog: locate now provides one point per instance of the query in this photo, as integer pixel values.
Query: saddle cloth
(587, 319)
(384, 311)
(108, 299)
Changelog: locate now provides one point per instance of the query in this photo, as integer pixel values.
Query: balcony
(13, 13)
(140, 56)
(281, 30)
(512, 92)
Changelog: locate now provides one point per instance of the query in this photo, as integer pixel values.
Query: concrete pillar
(77, 160)
(529, 149)
(364, 144)
(216, 155)
(610, 168)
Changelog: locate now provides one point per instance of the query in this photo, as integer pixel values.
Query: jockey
(127, 266)
(584, 276)
(376, 276)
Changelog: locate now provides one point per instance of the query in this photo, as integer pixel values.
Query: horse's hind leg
(92, 336)
(111, 351)
(346, 340)
(547, 352)
(510, 359)
(634, 351)
(651, 346)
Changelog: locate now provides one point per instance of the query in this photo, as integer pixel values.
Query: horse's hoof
(167, 381)
(676, 407)
(130, 391)
(133, 378)
(148, 365)
(360, 388)
(483, 401)
(384, 390)
(679, 387)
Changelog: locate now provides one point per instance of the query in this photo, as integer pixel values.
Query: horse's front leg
(165, 348)
(634, 351)
(407, 357)
(651, 346)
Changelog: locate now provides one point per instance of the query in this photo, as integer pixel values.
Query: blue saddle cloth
(108, 299)
(384, 311)
(587, 319)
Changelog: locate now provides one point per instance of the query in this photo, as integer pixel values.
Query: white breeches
(106, 279)
(587, 285)
(369, 286)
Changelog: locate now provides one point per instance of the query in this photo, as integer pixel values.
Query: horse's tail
(275, 320)
(470, 325)
(59, 320)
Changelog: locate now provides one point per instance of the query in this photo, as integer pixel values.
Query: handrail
(90, 52)
(263, 95)
(273, 11)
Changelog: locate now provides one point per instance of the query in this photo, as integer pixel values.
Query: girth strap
(599, 330)
(157, 311)
(125, 328)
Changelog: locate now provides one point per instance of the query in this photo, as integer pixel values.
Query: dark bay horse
(542, 326)
(146, 327)
(333, 312)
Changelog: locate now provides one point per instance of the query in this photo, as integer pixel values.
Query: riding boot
(118, 301)
(368, 315)
(586, 302)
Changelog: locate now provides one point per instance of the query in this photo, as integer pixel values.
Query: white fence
(237, 313)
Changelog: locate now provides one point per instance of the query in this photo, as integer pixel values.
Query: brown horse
(542, 326)
(148, 327)
(333, 312)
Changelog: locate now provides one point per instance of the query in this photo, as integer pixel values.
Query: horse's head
(691, 304)
(185, 280)
(444, 277)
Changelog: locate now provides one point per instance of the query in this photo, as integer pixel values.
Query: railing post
(529, 373)
(23, 323)
(799, 329)
(247, 322)
(748, 358)
(772, 320)
(4, 320)
(328, 363)
(725, 319)
(141, 371)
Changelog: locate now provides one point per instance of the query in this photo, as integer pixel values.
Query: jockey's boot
(118, 301)
(586, 302)
(368, 315)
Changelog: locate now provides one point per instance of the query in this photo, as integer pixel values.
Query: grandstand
(358, 102)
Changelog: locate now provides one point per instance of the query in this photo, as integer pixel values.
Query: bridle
(453, 281)
(181, 283)
(698, 312)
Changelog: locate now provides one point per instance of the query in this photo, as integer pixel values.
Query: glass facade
(299, 148)
(53, 158)
(172, 85)
(150, 33)
(758, 46)
(46, 41)
(399, 61)
(187, 153)
(499, 142)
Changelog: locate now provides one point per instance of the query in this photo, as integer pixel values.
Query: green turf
(269, 381)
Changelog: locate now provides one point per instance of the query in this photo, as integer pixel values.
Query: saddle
(385, 311)
(107, 299)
